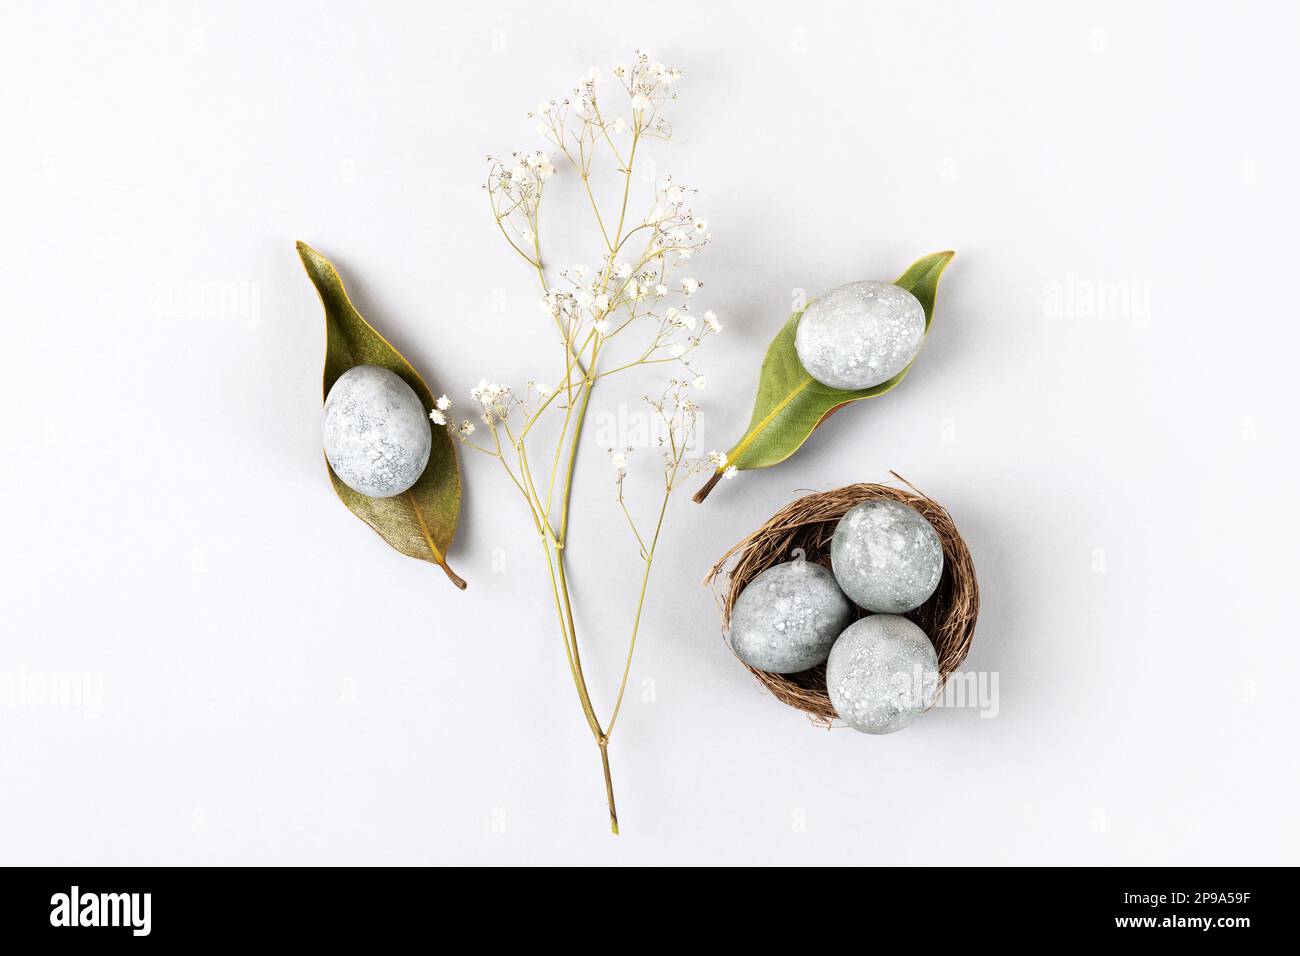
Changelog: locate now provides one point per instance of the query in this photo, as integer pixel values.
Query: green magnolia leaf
(791, 403)
(421, 521)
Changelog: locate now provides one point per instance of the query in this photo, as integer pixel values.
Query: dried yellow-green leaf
(791, 404)
(420, 522)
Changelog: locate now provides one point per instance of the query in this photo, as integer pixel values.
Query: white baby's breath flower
(437, 417)
(730, 472)
(491, 396)
(443, 404)
(587, 301)
(467, 428)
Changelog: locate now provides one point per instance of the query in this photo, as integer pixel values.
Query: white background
(280, 687)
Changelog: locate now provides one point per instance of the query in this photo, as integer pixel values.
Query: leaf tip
(937, 261)
(306, 253)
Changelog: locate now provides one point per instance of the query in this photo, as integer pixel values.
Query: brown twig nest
(948, 617)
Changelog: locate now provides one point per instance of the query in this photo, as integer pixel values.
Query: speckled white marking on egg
(376, 432)
(882, 673)
(859, 335)
(788, 617)
(886, 556)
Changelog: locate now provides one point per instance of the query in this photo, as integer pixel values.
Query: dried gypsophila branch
(634, 289)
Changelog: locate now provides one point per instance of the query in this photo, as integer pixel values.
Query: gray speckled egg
(882, 673)
(788, 617)
(376, 432)
(886, 556)
(859, 335)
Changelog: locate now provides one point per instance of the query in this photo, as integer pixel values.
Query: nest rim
(948, 616)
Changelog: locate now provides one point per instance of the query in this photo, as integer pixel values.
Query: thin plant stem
(640, 603)
(603, 744)
(551, 513)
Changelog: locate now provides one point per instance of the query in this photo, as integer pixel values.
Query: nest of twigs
(948, 617)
